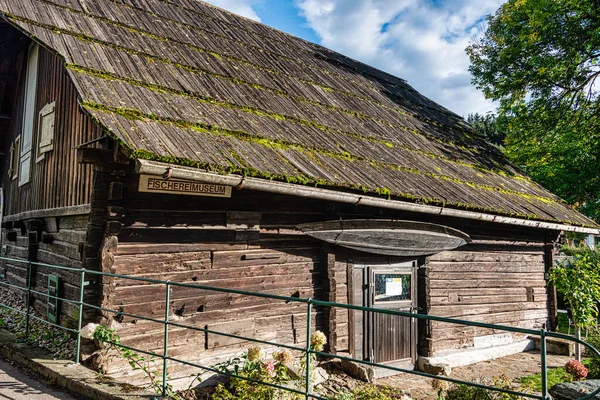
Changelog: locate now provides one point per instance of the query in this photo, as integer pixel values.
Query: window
(28, 115)
(13, 168)
(45, 130)
(392, 287)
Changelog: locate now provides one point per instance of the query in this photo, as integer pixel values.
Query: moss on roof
(184, 82)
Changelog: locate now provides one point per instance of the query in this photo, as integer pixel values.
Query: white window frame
(29, 119)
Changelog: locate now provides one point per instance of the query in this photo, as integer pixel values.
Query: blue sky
(421, 41)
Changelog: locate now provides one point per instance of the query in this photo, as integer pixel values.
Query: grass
(555, 375)
(534, 382)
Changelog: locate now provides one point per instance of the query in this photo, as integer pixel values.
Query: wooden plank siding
(52, 203)
(249, 242)
(244, 243)
(57, 180)
(486, 282)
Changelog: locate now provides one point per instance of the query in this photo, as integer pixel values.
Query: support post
(544, 366)
(28, 300)
(80, 315)
(166, 338)
(578, 345)
(308, 348)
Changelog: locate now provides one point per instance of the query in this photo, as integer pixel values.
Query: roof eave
(159, 169)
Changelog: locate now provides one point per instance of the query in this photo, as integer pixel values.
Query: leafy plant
(466, 392)
(375, 392)
(111, 340)
(578, 279)
(534, 382)
(593, 362)
(250, 372)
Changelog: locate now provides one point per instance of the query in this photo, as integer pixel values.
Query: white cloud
(418, 40)
(240, 7)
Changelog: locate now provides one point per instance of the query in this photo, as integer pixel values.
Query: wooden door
(383, 338)
(392, 338)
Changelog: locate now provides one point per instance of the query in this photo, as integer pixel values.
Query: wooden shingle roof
(187, 83)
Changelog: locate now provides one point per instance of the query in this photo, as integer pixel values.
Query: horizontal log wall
(68, 237)
(249, 242)
(496, 282)
(244, 243)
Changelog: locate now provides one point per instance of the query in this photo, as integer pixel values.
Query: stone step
(555, 346)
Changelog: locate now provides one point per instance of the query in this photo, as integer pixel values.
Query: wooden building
(174, 140)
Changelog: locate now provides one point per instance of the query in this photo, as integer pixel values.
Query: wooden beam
(50, 212)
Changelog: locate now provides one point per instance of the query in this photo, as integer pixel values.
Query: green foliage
(146, 364)
(373, 392)
(540, 60)
(487, 126)
(249, 366)
(534, 382)
(250, 370)
(593, 363)
(578, 279)
(466, 392)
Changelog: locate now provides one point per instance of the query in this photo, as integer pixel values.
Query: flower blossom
(270, 368)
(318, 340)
(255, 354)
(283, 357)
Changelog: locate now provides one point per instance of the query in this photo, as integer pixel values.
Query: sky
(421, 41)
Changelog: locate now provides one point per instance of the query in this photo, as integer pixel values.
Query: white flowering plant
(251, 367)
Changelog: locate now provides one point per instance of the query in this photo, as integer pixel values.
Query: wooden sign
(156, 184)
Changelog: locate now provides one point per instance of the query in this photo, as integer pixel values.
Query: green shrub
(464, 392)
(373, 392)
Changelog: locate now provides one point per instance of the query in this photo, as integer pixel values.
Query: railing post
(166, 338)
(80, 315)
(544, 369)
(308, 349)
(28, 300)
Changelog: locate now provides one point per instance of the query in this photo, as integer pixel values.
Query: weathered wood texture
(68, 235)
(223, 243)
(57, 180)
(496, 283)
(233, 94)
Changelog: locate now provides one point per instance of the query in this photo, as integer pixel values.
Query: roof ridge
(165, 39)
(282, 56)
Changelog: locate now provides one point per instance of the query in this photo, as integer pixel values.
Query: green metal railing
(307, 350)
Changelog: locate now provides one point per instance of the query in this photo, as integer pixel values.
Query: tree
(487, 126)
(540, 60)
(578, 279)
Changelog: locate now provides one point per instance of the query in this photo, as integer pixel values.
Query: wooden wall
(58, 180)
(246, 243)
(47, 219)
(64, 251)
(497, 283)
(249, 242)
